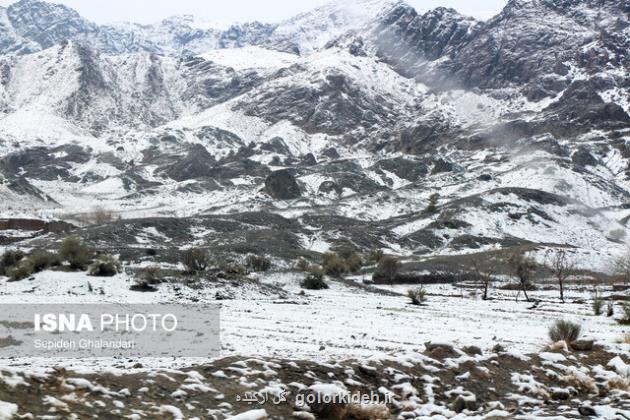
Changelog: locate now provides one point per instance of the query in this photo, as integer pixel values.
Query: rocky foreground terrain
(358, 132)
(442, 383)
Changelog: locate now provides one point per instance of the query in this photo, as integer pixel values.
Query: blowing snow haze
(305, 174)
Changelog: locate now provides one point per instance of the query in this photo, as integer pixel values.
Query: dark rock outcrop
(281, 185)
(198, 163)
(328, 187)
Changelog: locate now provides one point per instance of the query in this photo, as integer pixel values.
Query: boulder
(331, 153)
(462, 404)
(441, 166)
(560, 394)
(198, 163)
(328, 187)
(276, 145)
(439, 350)
(584, 158)
(309, 160)
(559, 346)
(587, 411)
(582, 345)
(472, 350)
(281, 185)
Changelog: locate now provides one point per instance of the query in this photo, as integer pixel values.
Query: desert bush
(619, 383)
(151, 275)
(354, 262)
(387, 269)
(564, 330)
(302, 265)
(610, 309)
(147, 279)
(229, 266)
(625, 311)
(622, 267)
(75, 252)
(368, 411)
(101, 216)
(257, 263)
(22, 270)
(418, 295)
(581, 382)
(195, 260)
(314, 279)
(10, 259)
(334, 265)
(104, 266)
(433, 202)
(375, 256)
(41, 260)
(598, 304)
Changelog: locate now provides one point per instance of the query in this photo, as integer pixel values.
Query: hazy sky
(148, 11)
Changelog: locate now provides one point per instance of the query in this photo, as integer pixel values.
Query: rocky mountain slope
(424, 134)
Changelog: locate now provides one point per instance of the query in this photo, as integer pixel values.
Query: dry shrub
(302, 265)
(626, 339)
(232, 267)
(330, 411)
(581, 382)
(42, 260)
(598, 304)
(387, 269)
(97, 216)
(369, 412)
(314, 279)
(257, 263)
(619, 383)
(75, 251)
(101, 216)
(105, 266)
(375, 256)
(418, 295)
(334, 265)
(564, 330)
(195, 260)
(10, 259)
(151, 275)
(354, 262)
(22, 270)
(625, 310)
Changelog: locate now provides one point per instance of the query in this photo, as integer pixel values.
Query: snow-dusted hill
(518, 126)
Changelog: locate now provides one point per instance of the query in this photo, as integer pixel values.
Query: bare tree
(387, 269)
(486, 279)
(523, 268)
(562, 266)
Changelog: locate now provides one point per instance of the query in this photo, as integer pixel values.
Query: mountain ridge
(450, 134)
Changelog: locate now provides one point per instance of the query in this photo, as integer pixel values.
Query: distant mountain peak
(197, 23)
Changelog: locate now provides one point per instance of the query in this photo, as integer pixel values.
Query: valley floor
(275, 338)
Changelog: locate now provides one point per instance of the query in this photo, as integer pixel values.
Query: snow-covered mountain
(33, 25)
(505, 130)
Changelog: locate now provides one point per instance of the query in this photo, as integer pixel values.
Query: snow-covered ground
(343, 322)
